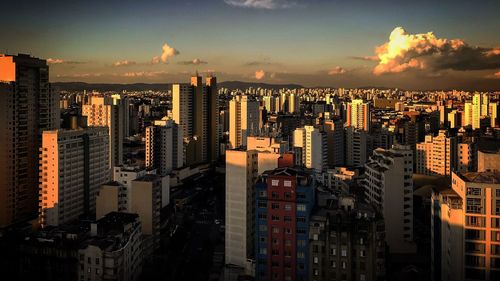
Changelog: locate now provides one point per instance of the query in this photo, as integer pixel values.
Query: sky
(339, 43)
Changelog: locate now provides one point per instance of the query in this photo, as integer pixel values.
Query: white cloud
(167, 53)
(262, 4)
(337, 71)
(144, 74)
(427, 52)
(193, 62)
(55, 61)
(123, 63)
(260, 74)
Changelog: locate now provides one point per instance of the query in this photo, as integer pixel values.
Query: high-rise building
(347, 242)
(313, 145)
(243, 120)
(164, 146)
(241, 175)
(195, 109)
(112, 197)
(480, 109)
(335, 137)
(108, 112)
(466, 228)
(124, 176)
(389, 186)
(74, 164)
(358, 115)
(436, 155)
(146, 196)
(356, 147)
(27, 107)
(269, 103)
(284, 201)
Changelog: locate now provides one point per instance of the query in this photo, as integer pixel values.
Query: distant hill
(80, 86)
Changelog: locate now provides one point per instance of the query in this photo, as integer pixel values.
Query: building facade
(27, 107)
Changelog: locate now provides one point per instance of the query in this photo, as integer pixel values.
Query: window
(97, 261)
(276, 230)
(274, 195)
(301, 207)
(288, 195)
(333, 264)
(301, 219)
(263, 194)
(275, 182)
(263, 251)
(275, 206)
(288, 231)
(275, 218)
(362, 253)
(473, 191)
(315, 260)
(287, 218)
(262, 204)
(300, 255)
(263, 227)
(288, 207)
(344, 252)
(262, 216)
(287, 183)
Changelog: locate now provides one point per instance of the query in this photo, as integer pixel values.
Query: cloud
(260, 74)
(262, 4)
(425, 51)
(79, 75)
(61, 61)
(365, 58)
(337, 71)
(167, 53)
(193, 62)
(144, 74)
(495, 75)
(124, 63)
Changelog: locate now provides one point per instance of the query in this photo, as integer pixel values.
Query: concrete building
(112, 197)
(356, 147)
(480, 109)
(347, 242)
(27, 107)
(243, 120)
(339, 178)
(436, 155)
(270, 144)
(358, 115)
(336, 142)
(164, 146)
(125, 175)
(146, 196)
(108, 112)
(314, 147)
(388, 185)
(195, 109)
(74, 164)
(284, 200)
(488, 161)
(114, 251)
(241, 174)
(466, 228)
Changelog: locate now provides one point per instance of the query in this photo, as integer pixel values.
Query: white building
(74, 164)
(164, 146)
(356, 147)
(313, 144)
(389, 186)
(243, 120)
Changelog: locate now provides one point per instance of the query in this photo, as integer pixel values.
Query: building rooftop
(148, 178)
(481, 177)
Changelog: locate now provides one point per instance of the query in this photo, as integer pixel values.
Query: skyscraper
(466, 228)
(74, 164)
(284, 201)
(241, 175)
(358, 115)
(108, 112)
(436, 155)
(27, 107)
(195, 109)
(334, 130)
(243, 120)
(164, 146)
(313, 144)
(389, 187)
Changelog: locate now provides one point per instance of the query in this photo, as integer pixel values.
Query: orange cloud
(427, 52)
(260, 74)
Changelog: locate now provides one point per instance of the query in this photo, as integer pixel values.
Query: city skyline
(313, 43)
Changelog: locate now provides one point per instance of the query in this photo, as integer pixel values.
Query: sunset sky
(340, 43)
